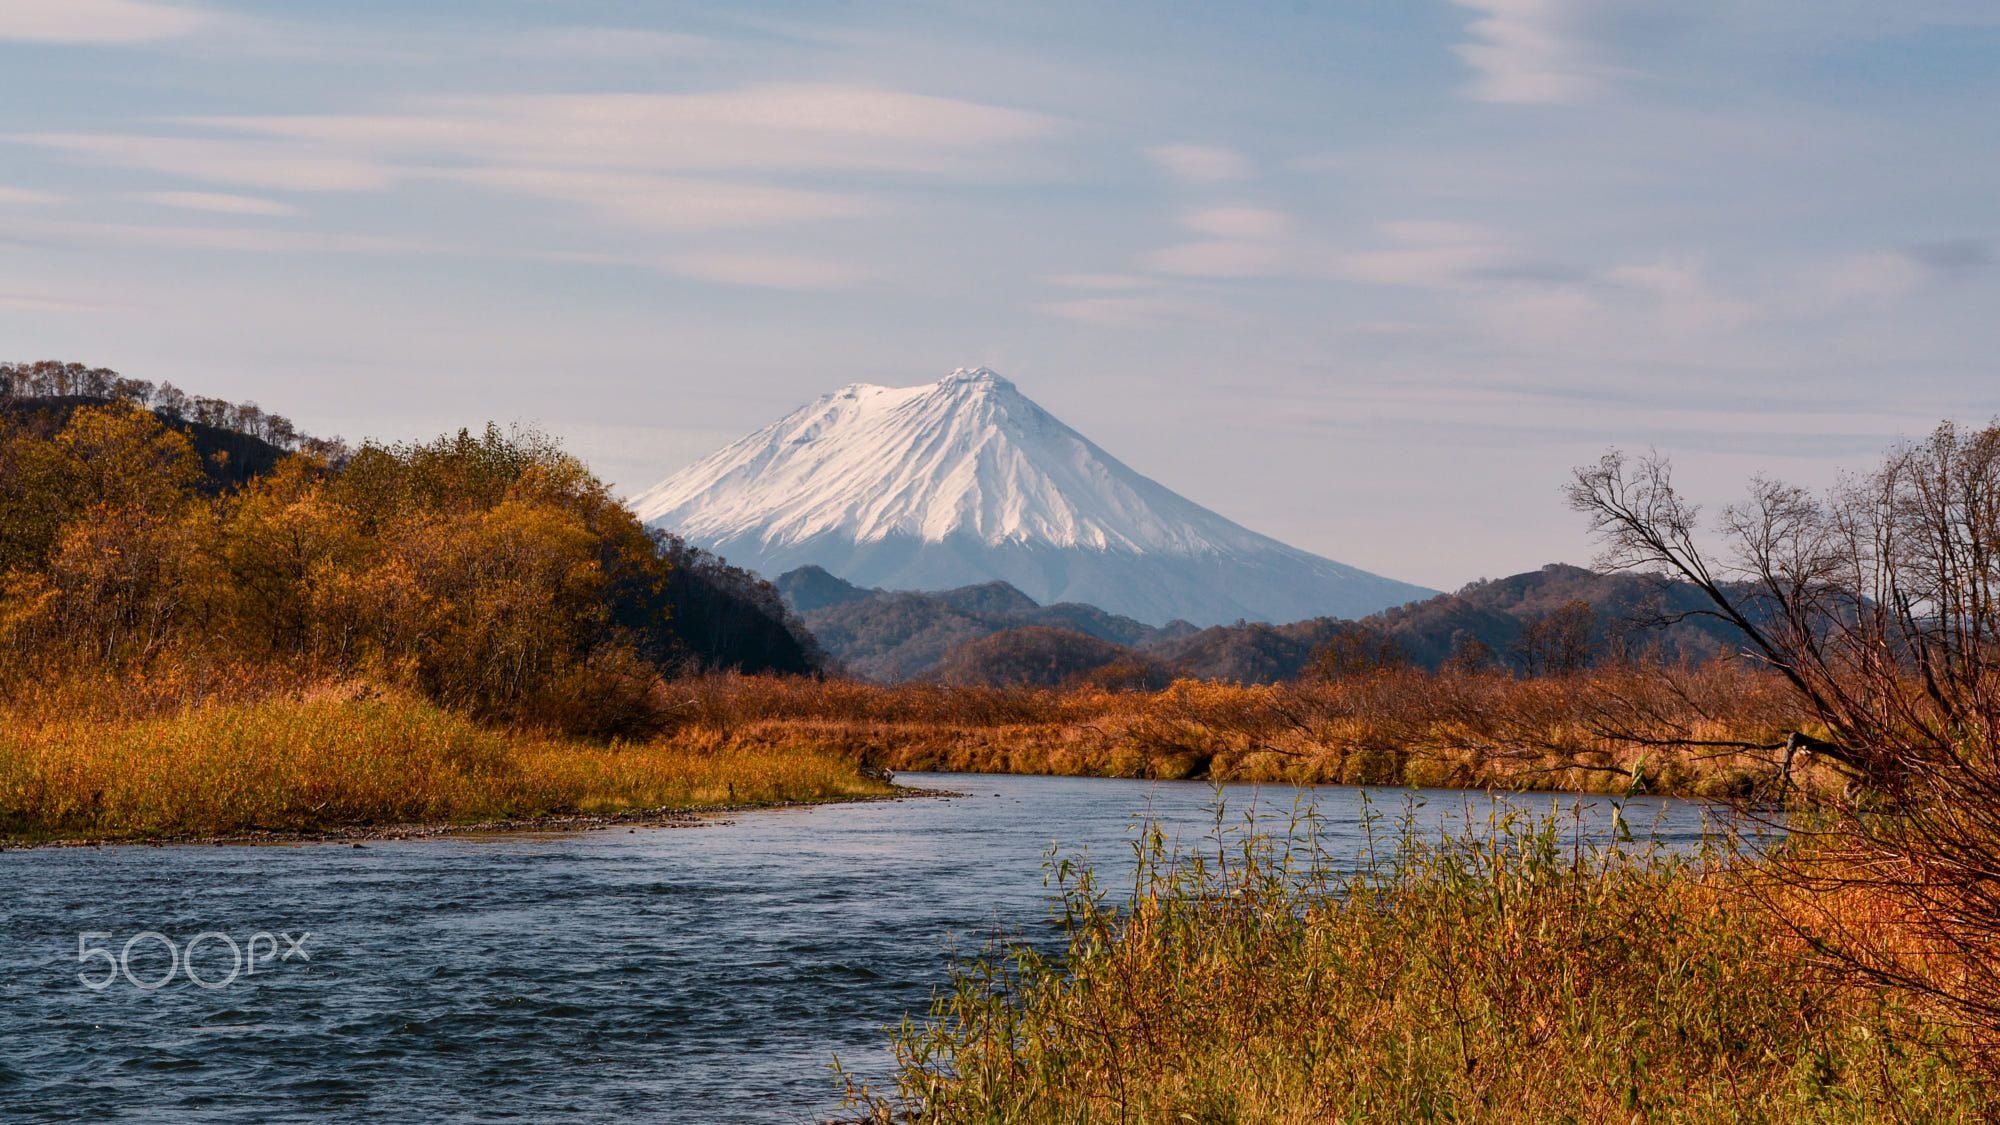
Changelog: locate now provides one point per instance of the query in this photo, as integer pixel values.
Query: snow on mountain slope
(967, 480)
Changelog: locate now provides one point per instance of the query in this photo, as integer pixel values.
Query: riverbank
(264, 758)
(1707, 732)
(550, 824)
(336, 761)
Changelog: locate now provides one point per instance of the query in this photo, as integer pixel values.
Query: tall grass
(1586, 733)
(1503, 975)
(333, 757)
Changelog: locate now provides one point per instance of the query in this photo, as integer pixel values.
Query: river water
(675, 974)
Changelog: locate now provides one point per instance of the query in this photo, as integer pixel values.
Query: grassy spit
(340, 758)
(1501, 976)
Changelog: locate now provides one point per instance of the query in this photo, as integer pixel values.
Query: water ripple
(653, 975)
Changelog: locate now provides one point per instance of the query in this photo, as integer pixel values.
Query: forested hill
(229, 458)
(140, 524)
(902, 635)
(1549, 621)
(233, 442)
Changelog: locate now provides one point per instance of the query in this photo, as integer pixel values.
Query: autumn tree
(1558, 643)
(112, 458)
(1879, 605)
(1356, 650)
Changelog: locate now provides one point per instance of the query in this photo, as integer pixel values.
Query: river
(673, 974)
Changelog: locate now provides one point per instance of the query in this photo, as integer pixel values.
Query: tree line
(56, 379)
(489, 570)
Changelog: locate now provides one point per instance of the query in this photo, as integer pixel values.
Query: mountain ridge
(990, 632)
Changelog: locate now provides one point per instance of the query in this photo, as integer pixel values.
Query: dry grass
(198, 748)
(340, 757)
(1499, 977)
(1585, 733)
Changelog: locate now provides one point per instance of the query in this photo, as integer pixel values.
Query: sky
(1371, 278)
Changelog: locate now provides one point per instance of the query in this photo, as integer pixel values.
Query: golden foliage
(492, 573)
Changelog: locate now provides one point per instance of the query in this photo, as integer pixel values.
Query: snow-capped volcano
(966, 480)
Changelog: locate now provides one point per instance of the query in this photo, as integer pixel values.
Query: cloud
(749, 269)
(255, 163)
(97, 21)
(1686, 301)
(1528, 52)
(35, 303)
(25, 197)
(1219, 258)
(659, 163)
(677, 203)
(1239, 222)
(1200, 164)
(1426, 254)
(605, 43)
(218, 203)
(1883, 275)
(792, 126)
(260, 240)
(1132, 312)
(1106, 281)
(649, 161)
(764, 271)
(1875, 276)
(1953, 257)
(1244, 243)
(1541, 319)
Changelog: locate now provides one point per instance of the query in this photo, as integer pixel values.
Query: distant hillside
(1251, 653)
(1548, 620)
(891, 636)
(1512, 618)
(1036, 656)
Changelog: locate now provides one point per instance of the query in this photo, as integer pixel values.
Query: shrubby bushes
(489, 572)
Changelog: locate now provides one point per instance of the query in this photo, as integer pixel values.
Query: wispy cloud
(1220, 258)
(259, 240)
(606, 43)
(25, 197)
(1954, 257)
(765, 271)
(218, 202)
(1426, 254)
(1883, 275)
(97, 21)
(674, 203)
(1872, 276)
(1133, 312)
(789, 126)
(1239, 222)
(230, 160)
(1528, 52)
(1200, 164)
(1242, 242)
(38, 303)
(1101, 281)
(648, 161)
